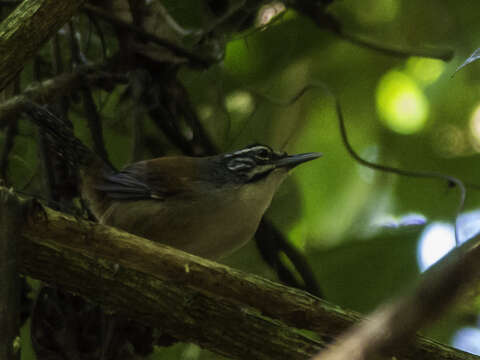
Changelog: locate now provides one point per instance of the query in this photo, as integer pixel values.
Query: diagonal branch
(185, 296)
(227, 311)
(393, 325)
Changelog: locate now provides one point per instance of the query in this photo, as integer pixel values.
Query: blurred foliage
(406, 112)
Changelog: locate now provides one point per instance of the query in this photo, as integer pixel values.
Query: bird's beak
(291, 161)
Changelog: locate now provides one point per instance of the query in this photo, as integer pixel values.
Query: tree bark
(26, 29)
(239, 315)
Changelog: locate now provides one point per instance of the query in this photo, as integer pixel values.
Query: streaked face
(258, 161)
(253, 162)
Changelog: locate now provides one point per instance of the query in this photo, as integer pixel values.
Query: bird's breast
(210, 227)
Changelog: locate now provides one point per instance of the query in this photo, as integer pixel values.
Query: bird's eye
(263, 154)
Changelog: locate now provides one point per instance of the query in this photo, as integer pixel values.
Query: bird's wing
(128, 184)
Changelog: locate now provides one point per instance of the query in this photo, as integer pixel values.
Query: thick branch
(26, 29)
(239, 315)
(181, 294)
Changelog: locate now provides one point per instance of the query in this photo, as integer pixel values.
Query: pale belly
(210, 232)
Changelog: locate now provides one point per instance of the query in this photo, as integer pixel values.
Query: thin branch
(409, 173)
(96, 25)
(319, 15)
(398, 51)
(94, 123)
(177, 50)
(160, 111)
(50, 90)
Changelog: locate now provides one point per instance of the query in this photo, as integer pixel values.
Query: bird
(207, 206)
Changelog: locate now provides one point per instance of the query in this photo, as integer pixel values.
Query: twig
(416, 174)
(397, 51)
(94, 123)
(50, 90)
(327, 21)
(161, 111)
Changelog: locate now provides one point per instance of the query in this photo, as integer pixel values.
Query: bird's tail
(60, 136)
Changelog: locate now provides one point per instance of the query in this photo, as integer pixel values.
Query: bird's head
(257, 164)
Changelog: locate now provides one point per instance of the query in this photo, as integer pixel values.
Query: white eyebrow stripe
(251, 149)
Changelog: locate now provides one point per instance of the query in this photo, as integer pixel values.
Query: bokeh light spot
(425, 71)
(371, 154)
(240, 102)
(396, 222)
(269, 12)
(475, 124)
(436, 240)
(439, 238)
(448, 140)
(467, 339)
(401, 104)
(205, 112)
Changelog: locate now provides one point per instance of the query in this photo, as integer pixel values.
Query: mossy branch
(239, 315)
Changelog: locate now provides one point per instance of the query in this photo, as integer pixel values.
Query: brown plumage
(208, 206)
